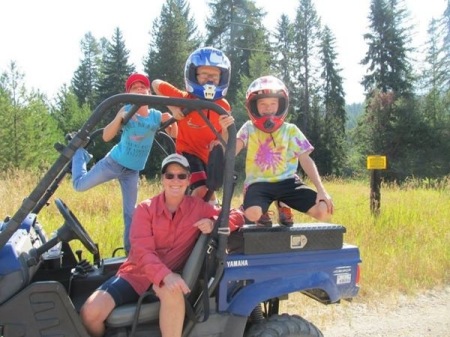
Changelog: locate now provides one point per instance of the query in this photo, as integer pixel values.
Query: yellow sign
(376, 162)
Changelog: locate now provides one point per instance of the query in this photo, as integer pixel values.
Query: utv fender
(247, 298)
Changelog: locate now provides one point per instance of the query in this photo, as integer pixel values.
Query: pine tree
(332, 152)
(392, 124)
(434, 76)
(85, 78)
(307, 41)
(435, 107)
(67, 113)
(236, 27)
(174, 37)
(115, 68)
(446, 47)
(389, 67)
(283, 46)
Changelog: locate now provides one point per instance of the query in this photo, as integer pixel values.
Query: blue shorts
(292, 192)
(122, 292)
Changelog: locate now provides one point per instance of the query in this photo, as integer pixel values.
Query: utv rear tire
(284, 326)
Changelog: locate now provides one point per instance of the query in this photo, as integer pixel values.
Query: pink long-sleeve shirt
(161, 244)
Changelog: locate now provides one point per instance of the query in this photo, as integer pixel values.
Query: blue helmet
(207, 56)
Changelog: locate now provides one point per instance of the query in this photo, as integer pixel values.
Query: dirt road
(423, 315)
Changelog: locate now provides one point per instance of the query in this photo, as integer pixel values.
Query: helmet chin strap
(269, 124)
(209, 90)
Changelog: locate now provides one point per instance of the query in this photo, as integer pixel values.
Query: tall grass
(404, 249)
(407, 246)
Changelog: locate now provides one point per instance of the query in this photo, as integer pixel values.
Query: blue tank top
(137, 139)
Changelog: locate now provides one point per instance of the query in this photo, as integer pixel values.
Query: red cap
(136, 77)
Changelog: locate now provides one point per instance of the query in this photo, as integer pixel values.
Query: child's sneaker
(71, 135)
(265, 220)
(285, 216)
(68, 137)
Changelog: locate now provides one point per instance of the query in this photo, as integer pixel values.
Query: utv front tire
(284, 326)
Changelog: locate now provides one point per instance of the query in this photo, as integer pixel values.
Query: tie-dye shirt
(272, 157)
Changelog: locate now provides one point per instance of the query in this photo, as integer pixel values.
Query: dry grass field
(404, 249)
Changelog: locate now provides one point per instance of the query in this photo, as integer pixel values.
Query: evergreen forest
(405, 114)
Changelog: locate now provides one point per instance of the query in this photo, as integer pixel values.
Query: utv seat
(123, 315)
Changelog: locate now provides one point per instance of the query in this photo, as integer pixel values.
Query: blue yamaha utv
(235, 292)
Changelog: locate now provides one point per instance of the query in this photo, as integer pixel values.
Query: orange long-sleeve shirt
(194, 135)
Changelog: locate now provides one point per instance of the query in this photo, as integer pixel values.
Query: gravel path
(423, 315)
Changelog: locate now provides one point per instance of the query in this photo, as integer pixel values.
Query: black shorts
(290, 191)
(122, 292)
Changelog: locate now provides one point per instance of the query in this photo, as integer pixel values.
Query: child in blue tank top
(127, 157)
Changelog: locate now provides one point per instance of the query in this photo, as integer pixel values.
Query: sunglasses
(181, 176)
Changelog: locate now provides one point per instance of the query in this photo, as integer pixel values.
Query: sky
(45, 42)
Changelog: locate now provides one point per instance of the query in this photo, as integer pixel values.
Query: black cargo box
(252, 239)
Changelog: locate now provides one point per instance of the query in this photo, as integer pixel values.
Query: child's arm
(311, 171)
(239, 145)
(157, 88)
(111, 130)
(225, 122)
(172, 129)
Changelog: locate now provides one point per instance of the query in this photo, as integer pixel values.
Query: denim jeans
(104, 170)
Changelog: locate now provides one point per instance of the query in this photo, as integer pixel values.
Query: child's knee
(320, 211)
(253, 213)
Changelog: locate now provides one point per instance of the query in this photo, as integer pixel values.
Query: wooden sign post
(375, 164)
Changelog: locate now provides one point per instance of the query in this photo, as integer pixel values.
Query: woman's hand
(172, 282)
(205, 225)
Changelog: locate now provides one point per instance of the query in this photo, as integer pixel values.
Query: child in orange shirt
(207, 77)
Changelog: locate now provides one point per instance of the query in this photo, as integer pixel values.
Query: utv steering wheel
(74, 229)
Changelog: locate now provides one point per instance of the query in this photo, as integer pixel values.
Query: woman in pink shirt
(163, 232)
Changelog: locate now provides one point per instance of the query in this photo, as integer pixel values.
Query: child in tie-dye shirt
(274, 149)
